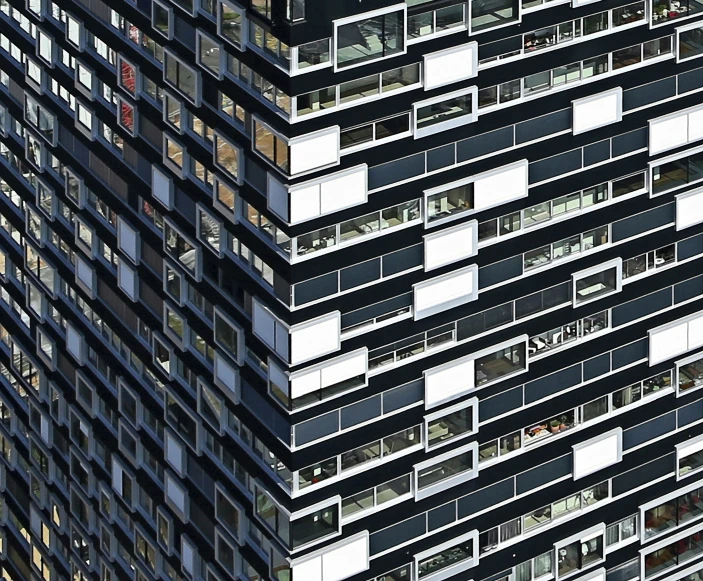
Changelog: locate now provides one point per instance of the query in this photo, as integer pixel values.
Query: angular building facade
(324, 290)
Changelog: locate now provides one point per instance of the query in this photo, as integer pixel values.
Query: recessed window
(664, 12)
(445, 471)
(597, 282)
(313, 54)
(448, 425)
(447, 557)
(450, 202)
(182, 77)
(161, 16)
(579, 555)
(271, 146)
(501, 363)
(445, 113)
(370, 39)
(486, 14)
(690, 43)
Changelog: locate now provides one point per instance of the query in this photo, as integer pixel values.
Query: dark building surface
(327, 290)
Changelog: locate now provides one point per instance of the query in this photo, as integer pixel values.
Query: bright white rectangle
(305, 384)
(315, 338)
(695, 125)
(597, 453)
(451, 245)
(346, 560)
(308, 571)
(304, 203)
(344, 191)
(597, 110)
(446, 291)
(695, 333)
(450, 66)
(448, 382)
(689, 209)
(668, 343)
(343, 370)
(668, 133)
(500, 186)
(316, 150)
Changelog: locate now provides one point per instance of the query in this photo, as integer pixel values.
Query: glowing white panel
(451, 245)
(695, 333)
(501, 185)
(597, 453)
(448, 382)
(689, 209)
(315, 338)
(344, 369)
(349, 189)
(668, 342)
(446, 291)
(346, 560)
(668, 133)
(315, 150)
(450, 66)
(695, 125)
(304, 203)
(688, 448)
(597, 110)
(310, 570)
(304, 384)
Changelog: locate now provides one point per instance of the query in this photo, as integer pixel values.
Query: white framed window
(451, 424)
(445, 112)
(596, 282)
(370, 37)
(580, 551)
(446, 471)
(448, 559)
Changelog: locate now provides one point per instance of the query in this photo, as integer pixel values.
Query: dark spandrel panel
(641, 307)
(540, 475)
(690, 413)
(402, 260)
(499, 47)
(644, 222)
(184, 32)
(397, 534)
(554, 383)
(649, 93)
(359, 274)
(596, 152)
(485, 498)
(441, 516)
(630, 353)
(499, 271)
(315, 428)
(441, 157)
(689, 247)
(484, 144)
(631, 141)
(255, 175)
(360, 412)
(557, 295)
(470, 326)
(281, 288)
(315, 288)
(529, 305)
(375, 310)
(643, 474)
(688, 289)
(396, 171)
(690, 81)
(555, 166)
(597, 366)
(403, 396)
(649, 430)
(543, 126)
(264, 410)
(501, 403)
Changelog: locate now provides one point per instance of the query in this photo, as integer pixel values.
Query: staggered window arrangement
(222, 229)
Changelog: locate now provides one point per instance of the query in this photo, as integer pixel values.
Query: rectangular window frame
(452, 481)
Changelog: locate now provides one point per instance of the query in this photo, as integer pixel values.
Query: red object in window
(128, 78)
(127, 116)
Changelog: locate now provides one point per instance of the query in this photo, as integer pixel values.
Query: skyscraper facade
(365, 290)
